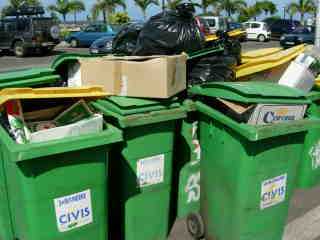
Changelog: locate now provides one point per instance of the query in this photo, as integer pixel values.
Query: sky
(135, 12)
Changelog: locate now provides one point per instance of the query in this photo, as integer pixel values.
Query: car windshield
(42, 23)
(116, 28)
(235, 25)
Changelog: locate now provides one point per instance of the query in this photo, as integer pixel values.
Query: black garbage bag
(171, 32)
(232, 46)
(212, 69)
(125, 41)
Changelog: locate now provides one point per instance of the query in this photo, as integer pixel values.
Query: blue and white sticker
(150, 170)
(73, 211)
(273, 191)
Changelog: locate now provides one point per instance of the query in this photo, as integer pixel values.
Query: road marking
(306, 227)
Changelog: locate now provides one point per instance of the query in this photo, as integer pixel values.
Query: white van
(216, 23)
(257, 31)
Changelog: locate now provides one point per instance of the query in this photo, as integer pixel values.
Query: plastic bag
(232, 46)
(125, 41)
(212, 69)
(171, 32)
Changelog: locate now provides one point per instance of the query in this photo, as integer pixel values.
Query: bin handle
(259, 132)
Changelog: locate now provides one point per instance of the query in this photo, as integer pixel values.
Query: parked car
(28, 32)
(216, 23)
(232, 26)
(203, 25)
(91, 33)
(102, 45)
(282, 26)
(298, 36)
(257, 31)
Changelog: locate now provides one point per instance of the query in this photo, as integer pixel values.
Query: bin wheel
(195, 225)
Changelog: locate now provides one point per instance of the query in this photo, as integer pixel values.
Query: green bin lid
(137, 111)
(25, 73)
(28, 77)
(314, 95)
(252, 92)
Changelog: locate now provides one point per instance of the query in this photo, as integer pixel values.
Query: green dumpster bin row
(153, 175)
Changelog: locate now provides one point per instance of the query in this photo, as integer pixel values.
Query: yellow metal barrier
(272, 62)
(233, 33)
(253, 55)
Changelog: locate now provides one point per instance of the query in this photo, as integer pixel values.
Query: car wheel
(19, 50)
(261, 38)
(195, 225)
(74, 43)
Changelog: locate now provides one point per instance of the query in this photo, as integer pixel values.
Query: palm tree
(217, 7)
(15, 4)
(63, 7)
(303, 7)
(107, 7)
(172, 4)
(205, 4)
(77, 6)
(18, 3)
(291, 11)
(144, 4)
(249, 12)
(268, 7)
(231, 6)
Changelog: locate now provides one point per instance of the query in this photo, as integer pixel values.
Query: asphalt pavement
(304, 214)
(8, 62)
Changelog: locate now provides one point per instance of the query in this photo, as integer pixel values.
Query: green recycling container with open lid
(248, 170)
(46, 191)
(309, 169)
(141, 168)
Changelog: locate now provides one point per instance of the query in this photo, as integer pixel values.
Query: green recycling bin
(141, 168)
(186, 167)
(309, 168)
(55, 189)
(249, 165)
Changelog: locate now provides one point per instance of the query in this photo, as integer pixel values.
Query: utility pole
(317, 40)
(163, 5)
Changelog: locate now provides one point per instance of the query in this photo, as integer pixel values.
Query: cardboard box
(149, 77)
(261, 114)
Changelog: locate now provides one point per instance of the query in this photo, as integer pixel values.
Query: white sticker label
(273, 191)
(73, 211)
(193, 188)
(315, 156)
(150, 170)
(267, 114)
